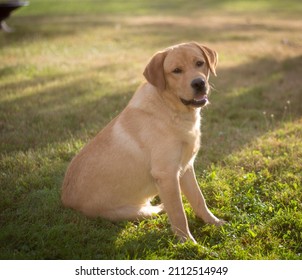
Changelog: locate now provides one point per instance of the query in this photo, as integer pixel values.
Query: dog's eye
(199, 63)
(177, 71)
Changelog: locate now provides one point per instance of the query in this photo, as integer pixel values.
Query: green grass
(70, 68)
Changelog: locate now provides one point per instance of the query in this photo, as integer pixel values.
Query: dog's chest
(190, 136)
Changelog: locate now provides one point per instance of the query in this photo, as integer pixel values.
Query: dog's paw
(220, 222)
(183, 239)
(217, 222)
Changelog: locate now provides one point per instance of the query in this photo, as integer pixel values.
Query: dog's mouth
(199, 101)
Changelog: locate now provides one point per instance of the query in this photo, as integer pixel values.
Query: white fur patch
(125, 139)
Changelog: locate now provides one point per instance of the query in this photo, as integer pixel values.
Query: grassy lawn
(72, 66)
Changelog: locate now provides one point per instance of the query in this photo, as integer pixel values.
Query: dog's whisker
(212, 87)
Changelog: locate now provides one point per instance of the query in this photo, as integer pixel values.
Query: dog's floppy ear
(210, 55)
(154, 71)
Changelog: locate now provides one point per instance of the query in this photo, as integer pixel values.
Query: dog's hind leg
(132, 212)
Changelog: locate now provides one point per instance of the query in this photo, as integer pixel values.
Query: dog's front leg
(169, 193)
(191, 190)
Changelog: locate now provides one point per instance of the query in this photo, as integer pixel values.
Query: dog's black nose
(198, 84)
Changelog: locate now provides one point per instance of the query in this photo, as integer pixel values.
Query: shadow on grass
(35, 28)
(63, 104)
(30, 29)
(56, 107)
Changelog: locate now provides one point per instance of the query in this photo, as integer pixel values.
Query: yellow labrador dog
(149, 149)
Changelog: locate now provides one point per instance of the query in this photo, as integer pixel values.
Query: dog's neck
(165, 103)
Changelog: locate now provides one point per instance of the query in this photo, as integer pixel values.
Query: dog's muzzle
(200, 92)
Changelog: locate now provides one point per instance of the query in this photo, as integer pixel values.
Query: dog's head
(183, 70)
